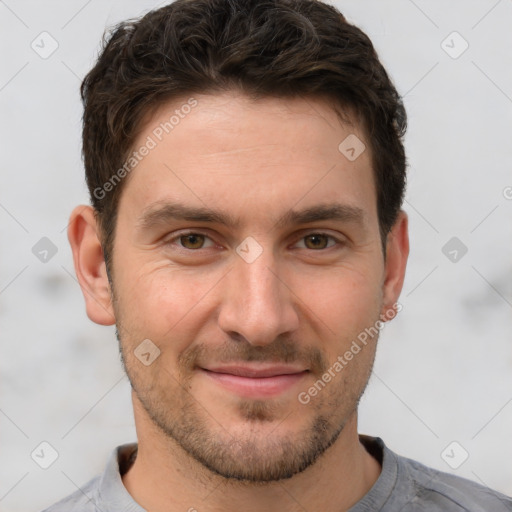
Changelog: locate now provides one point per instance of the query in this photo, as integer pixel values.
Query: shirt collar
(113, 496)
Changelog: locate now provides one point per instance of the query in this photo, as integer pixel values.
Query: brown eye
(316, 241)
(192, 241)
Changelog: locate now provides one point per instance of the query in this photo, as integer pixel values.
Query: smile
(255, 382)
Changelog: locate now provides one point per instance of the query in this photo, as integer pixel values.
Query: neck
(164, 478)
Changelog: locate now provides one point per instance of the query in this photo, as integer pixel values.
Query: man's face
(250, 306)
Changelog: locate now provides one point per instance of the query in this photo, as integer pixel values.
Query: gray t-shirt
(404, 485)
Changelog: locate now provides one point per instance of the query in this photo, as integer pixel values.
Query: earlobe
(397, 252)
(90, 265)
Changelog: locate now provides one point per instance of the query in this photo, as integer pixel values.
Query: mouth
(255, 381)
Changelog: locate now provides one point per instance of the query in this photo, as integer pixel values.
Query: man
(246, 171)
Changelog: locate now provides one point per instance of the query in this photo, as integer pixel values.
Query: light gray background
(444, 366)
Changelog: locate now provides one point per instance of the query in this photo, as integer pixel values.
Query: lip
(263, 381)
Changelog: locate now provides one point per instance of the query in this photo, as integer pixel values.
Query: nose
(257, 302)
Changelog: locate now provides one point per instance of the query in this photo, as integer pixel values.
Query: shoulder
(82, 500)
(431, 489)
(407, 485)
(103, 492)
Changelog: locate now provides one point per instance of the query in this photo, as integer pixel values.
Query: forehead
(248, 156)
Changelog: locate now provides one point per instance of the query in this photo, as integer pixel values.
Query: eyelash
(186, 233)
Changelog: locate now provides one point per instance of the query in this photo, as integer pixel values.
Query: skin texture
(300, 304)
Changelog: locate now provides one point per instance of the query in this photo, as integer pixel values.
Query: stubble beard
(254, 455)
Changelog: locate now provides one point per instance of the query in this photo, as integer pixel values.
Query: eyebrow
(163, 213)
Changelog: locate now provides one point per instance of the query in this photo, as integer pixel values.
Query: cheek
(345, 299)
(163, 303)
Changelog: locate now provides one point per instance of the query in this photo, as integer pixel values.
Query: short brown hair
(280, 48)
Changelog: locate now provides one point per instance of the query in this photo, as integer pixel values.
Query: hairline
(347, 115)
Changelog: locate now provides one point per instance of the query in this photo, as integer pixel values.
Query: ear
(397, 252)
(90, 265)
